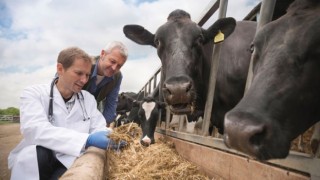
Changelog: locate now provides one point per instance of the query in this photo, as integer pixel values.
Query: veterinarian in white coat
(72, 127)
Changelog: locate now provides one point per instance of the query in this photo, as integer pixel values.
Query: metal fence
(10, 118)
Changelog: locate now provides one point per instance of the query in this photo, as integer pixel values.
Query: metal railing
(6, 117)
(151, 84)
(10, 118)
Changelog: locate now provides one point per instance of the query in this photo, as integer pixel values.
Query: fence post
(266, 13)
(213, 74)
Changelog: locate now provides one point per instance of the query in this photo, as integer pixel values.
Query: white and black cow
(284, 98)
(148, 115)
(185, 50)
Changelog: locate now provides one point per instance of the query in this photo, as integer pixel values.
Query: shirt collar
(95, 71)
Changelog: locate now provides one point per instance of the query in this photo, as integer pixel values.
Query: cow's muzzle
(179, 93)
(251, 135)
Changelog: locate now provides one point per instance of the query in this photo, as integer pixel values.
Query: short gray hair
(117, 45)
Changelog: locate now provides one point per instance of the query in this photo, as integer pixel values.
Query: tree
(10, 111)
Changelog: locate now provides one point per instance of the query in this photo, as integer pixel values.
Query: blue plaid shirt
(109, 111)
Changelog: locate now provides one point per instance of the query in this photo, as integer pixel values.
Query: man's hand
(100, 140)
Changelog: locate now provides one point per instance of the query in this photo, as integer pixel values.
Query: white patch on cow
(199, 123)
(175, 121)
(148, 107)
(146, 139)
(118, 117)
(194, 127)
(190, 126)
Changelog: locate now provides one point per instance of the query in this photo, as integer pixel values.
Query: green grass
(6, 122)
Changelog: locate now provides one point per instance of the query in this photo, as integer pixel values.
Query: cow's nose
(145, 141)
(245, 133)
(177, 90)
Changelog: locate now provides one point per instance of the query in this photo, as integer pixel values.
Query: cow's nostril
(188, 88)
(164, 86)
(166, 89)
(258, 137)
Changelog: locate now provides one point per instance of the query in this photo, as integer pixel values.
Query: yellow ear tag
(219, 37)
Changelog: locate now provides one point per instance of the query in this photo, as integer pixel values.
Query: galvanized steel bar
(149, 87)
(207, 13)
(266, 13)
(155, 81)
(213, 74)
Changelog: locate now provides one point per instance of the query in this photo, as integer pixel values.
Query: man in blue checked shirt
(106, 78)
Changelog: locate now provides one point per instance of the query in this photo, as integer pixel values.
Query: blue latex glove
(100, 140)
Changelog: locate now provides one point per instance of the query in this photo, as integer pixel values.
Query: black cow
(148, 114)
(185, 50)
(284, 98)
(124, 106)
(126, 111)
(125, 100)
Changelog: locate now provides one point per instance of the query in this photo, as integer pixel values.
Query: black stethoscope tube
(50, 112)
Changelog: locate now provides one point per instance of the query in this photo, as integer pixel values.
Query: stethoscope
(81, 102)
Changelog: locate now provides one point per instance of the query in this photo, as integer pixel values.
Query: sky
(33, 32)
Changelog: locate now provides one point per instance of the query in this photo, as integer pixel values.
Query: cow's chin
(181, 109)
(265, 151)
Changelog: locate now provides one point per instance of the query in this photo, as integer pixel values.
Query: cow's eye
(200, 40)
(251, 48)
(157, 42)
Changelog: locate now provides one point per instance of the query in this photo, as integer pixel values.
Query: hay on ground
(158, 161)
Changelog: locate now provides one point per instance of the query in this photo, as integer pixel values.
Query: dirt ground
(9, 137)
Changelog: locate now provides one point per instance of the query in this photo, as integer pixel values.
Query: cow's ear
(121, 96)
(139, 35)
(220, 30)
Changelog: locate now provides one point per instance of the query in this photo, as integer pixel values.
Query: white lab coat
(66, 135)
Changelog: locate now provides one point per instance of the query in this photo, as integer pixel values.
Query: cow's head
(148, 115)
(124, 103)
(284, 98)
(179, 44)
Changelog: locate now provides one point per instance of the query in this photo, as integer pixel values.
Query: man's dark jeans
(50, 168)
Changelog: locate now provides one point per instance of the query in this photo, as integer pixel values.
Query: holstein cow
(148, 114)
(284, 98)
(185, 50)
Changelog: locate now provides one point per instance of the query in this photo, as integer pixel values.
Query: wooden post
(88, 166)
